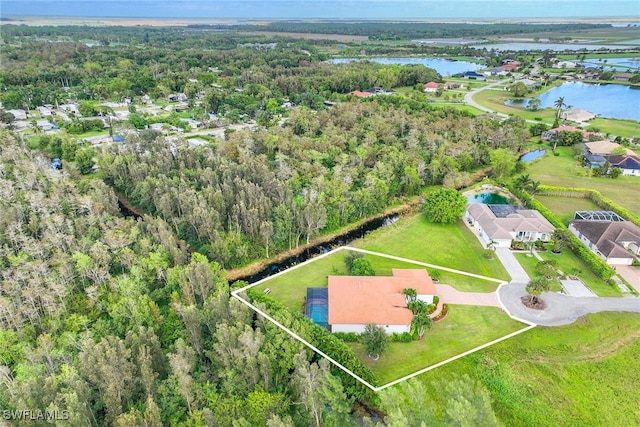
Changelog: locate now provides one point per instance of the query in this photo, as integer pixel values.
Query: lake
(606, 100)
(618, 64)
(444, 67)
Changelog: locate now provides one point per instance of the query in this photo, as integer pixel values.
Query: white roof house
(18, 114)
(500, 224)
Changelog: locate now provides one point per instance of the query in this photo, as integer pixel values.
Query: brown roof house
(617, 242)
(498, 225)
(355, 301)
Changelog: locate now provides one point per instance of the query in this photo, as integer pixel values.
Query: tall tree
(445, 206)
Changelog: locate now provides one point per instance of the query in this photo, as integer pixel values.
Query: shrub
(436, 299)
(443, 313)
(347, 336)
(403, 337)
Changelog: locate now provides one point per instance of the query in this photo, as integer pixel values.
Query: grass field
(529, 264)
(585, 374)
(448, 245)
(563, 170)
(465, 328)
(565, 207)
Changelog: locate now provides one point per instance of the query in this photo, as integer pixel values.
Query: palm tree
(523, 181)
(559, 104)
(410, 295)
(533, 187)
(420, 323)
(418, 307)
(536, 287)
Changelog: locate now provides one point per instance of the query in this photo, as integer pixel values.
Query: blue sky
(350, 9)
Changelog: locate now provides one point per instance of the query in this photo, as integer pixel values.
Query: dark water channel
(319, 249)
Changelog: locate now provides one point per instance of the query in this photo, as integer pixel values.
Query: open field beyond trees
(583, 374)
(447, 245)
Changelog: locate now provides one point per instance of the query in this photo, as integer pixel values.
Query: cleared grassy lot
(448, 245)
(465, 328)
(584, 374)
(564, 170)
(565, 207)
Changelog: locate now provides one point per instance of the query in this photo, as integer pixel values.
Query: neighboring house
(530, 84)
(577, 115)
(355, 301)
(617, 242)
(178, 97)
(192, 123)
(431, 87)
(551, 134)
(157, 126)
(375, 90)
(288, 105)
(513, 66)
(473, 75)
(45, 125)
(565, 64)
(360, 94)
(18, 114)
(603, 147)
(44, 111)
(499, 225)
(69, 108)
(629, 164)
(496, 71)
(453, 85)
(623, 77)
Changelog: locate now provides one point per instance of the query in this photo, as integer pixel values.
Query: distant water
(300, 9)
(607, 100)
(444, 67)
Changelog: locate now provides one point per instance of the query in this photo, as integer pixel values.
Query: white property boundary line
(348, 371)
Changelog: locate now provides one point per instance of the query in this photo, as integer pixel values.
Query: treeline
(409, 30)
(269, 190)
(109, 321)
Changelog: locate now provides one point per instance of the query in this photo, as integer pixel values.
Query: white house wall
(426, 298)
(619, 261)
(389, 329)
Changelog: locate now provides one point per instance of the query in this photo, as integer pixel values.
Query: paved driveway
(630, 274)
(450, 295)
(575, 288)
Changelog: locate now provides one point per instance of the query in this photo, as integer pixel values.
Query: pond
(488, 199)
(532, 155)
(606, 100)
(444, 67)
(617, 64)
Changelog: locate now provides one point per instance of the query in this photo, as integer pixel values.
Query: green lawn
(565, 207)
(290, 288)
(529, 264)
(564, 170)
(585, 374)
(465, 328)
(623, 128)
(569, 263)
(448, 245)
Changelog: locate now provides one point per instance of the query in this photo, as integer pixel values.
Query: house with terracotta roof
(552, 134)
(431, 87)
(616, 242)
(623, 77)
(361, 94)
(499, 225)
(355, 301)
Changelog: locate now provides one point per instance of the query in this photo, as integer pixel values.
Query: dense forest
(412, 30)
(123, 321)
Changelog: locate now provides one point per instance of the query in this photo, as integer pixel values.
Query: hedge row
(326, 342)
(598, 199)
(593, 261)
